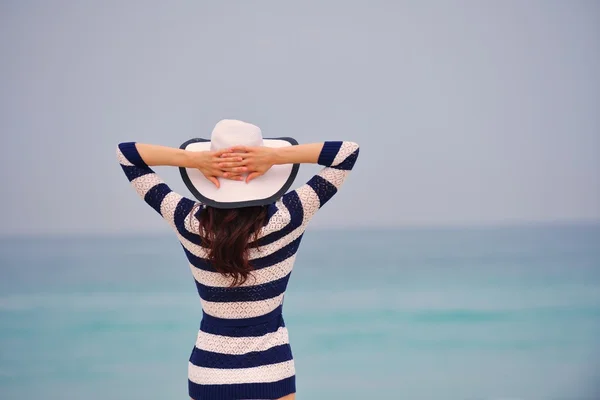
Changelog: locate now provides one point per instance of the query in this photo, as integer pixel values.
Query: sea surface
(415, 314)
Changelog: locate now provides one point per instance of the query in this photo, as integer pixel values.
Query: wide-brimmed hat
(234, 194)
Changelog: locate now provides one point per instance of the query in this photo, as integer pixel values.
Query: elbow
(349, 155)
(121, 151)
(119, 154)
(353, 147)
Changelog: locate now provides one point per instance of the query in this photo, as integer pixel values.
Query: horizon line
(322, 228)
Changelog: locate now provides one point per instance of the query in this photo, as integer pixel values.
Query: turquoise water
(418, 314)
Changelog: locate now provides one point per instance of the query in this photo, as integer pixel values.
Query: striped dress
(242, 349)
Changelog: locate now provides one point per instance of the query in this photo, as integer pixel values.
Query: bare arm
(155, 155)
(205, 161)
(338, 158)
(300, 154)
(258, 160)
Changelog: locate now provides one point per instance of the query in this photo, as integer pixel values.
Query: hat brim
(263, 190)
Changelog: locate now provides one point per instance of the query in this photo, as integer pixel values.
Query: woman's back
(242, 348)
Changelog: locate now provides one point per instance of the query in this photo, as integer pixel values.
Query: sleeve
(149, 185)
(339, 159)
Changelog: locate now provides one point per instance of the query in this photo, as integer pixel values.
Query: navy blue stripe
(209, 359)
(278, 256)
(293, 204)
(248, 330)
(323, 188)
(183, 209)
(132, 154)
(348, 163)
(156, 195)
(245, 293)
(271, 210)
(328, 153)
(132, 172)
(267, 390)
(198, 262)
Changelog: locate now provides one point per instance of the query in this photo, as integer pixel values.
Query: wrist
(278, 155)
(275, 156)
(190, 159)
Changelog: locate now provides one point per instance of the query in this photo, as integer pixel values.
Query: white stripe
(334, 176)
(146, 182)
(168, 207)
(310, 202)
(122, 159)
(345, 150)
(262, 374)
(193, 248)
(241, 345)
(277, 221)
(241, 309)
(258, 277)
(191, 223)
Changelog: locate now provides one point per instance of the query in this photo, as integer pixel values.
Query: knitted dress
(242, 350)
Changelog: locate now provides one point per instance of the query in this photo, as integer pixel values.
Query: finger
(219, 153)
(235, 170)
(235, 164)
(231, 162)
(215, 181)
(230, 174)
(240, 149)
(233, 177)
(235, 155)
(252, 176)
(228, 158)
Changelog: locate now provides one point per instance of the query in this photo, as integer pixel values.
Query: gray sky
(467, 112)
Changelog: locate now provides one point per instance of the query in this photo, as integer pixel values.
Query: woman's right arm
(338, 158)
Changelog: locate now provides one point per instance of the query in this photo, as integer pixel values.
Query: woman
(240, 238)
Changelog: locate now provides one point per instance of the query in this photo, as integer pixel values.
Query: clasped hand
(235, 162)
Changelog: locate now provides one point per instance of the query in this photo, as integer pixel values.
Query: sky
(467, 112)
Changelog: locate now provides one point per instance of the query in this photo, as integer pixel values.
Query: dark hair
(229, 234)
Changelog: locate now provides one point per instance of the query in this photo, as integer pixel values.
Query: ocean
(413, 313)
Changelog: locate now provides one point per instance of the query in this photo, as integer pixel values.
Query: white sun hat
(263, 190)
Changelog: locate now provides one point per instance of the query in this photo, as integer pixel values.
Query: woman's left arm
(137, 158)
